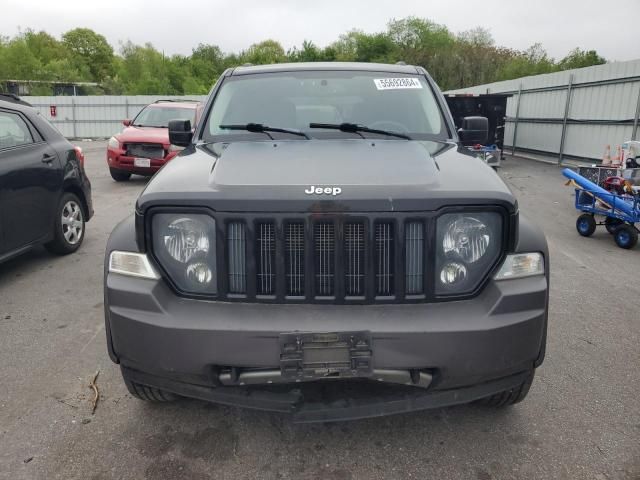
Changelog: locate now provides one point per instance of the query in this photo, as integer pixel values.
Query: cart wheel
(626, 236)
(611, 224)
(586, 225)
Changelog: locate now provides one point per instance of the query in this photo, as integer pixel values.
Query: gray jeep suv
(325, 246)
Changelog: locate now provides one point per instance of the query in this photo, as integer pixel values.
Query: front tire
(119, 175)
(586, 225)
(511, 396)
(69, 226)
(148, 394)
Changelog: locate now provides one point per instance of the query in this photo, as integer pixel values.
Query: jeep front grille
(266, 258)
(237, 246)
(325, 239)
(325, 258)
(294, 258)
(414, 257)
(384, 258)
(354, 259)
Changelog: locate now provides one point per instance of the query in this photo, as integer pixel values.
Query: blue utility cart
(621, 212)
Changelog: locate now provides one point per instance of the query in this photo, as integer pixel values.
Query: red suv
(143, 146)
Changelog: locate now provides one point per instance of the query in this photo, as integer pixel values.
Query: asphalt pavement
(581, 419)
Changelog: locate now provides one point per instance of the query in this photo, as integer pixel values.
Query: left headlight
(468, 244)
(184, 244)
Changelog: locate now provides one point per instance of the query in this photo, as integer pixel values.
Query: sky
(610, 27)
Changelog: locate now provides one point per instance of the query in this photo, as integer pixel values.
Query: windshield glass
(160, 116)
(383, 101)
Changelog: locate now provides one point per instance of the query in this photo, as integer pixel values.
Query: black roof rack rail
(176, 100)
(13, 98)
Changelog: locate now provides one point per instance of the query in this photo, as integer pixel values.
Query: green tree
(268, 51)
(90, 50)
(578, 58)
(308, 53)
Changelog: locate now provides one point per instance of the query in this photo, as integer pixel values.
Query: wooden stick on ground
(96, 393)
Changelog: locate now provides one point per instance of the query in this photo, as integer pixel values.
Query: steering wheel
(385, 124)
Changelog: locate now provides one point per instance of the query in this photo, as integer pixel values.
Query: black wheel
(611, 224)
(509, 397)
(148, 394)
(626, 236)
(68, 227)
(586, 225)
(119, 175)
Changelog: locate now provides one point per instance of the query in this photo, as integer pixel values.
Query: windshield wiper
(260, 128)
(355, 128)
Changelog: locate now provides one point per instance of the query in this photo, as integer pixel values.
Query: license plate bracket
(305, 355)
(142, 162)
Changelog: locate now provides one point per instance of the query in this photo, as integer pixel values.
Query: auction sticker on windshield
(396, 83)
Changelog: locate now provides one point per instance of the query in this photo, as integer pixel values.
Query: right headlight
(467, 246)
(184, 244)
(113, 143)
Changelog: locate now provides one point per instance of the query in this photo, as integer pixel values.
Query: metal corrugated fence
(574, 113)
(95, 116)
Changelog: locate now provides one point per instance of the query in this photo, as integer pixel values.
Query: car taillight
(79, 155)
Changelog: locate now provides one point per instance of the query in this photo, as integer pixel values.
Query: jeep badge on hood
(313, 190)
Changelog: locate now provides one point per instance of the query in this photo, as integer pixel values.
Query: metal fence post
(126, 107)
(567, 106)
(634, 134)
(515, 126)
(73, 117)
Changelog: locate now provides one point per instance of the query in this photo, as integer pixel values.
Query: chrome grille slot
(354, 259)
(414, 257)
(294, 258)
(324, 234)
(384, 258)
(266, 258)
(236, 244)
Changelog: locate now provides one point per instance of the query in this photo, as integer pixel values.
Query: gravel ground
(581, 419)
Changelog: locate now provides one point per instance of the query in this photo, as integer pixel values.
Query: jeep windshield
(388, 102)
(153, 116)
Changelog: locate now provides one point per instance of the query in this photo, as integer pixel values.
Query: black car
(45, 195)
(326, 246)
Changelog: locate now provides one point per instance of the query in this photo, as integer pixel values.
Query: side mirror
(180, 133)
(127, 122)
(474, 130)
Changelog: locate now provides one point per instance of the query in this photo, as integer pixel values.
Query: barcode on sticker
(396, 83)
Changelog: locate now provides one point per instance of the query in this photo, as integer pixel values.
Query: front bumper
(471, 348)
(118, 160)
(371, 400)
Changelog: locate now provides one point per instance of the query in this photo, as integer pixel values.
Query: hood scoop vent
(324, 163)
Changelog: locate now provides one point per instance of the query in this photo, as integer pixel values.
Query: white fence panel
(95, 116)
(603, 110)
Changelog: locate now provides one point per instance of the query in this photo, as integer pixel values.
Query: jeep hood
(362, 175)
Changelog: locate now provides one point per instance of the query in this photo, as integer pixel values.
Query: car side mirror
(474, 130)
(127, 122)
(180, 133)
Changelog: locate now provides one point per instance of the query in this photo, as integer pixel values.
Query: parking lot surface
(581, 419)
